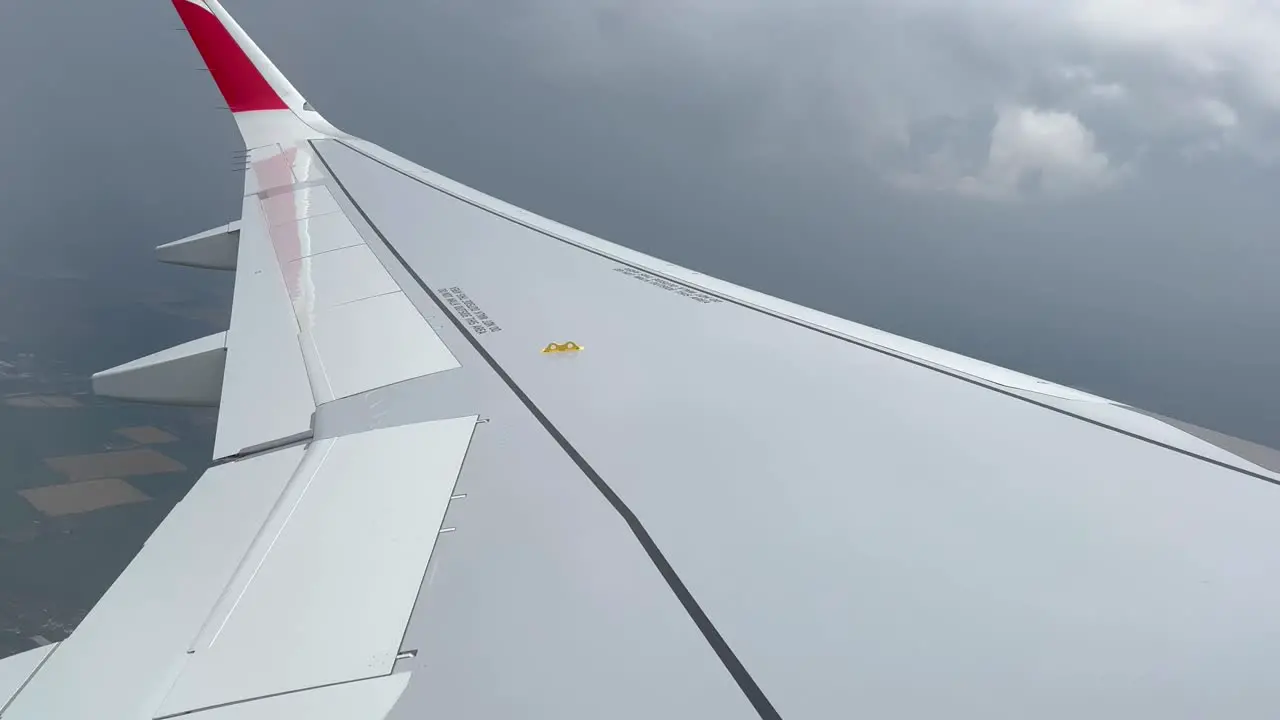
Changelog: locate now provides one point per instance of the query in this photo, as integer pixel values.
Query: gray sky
(1078, 189)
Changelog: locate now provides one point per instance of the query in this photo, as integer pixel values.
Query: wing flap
(325, 593)
(15, 670)
(371, 699)
(123, 657)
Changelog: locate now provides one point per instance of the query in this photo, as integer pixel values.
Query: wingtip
(266, 106)
(242, 82)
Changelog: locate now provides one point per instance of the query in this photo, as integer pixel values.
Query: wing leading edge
(720, 505)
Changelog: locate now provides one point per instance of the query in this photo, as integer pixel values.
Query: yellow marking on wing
(562, 347)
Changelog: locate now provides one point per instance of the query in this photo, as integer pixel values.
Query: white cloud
(1217, 113)
(1032, 152)
(1108, 91)
(1051, 148)
(871, 81)
(1211, 39)
(1085, 82)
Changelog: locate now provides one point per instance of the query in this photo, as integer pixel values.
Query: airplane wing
(472, 463)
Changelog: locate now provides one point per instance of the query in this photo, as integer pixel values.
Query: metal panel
(264, 127)
(16, 669)
(266, 396)
(365, 700)
(214, 249)
(330, 600)
(300, 202)
(186, 374)
(363, 345)
(306, 166)
(267, 168)
(122, 658)
(316, 235)
(334, 278)
(314, 456)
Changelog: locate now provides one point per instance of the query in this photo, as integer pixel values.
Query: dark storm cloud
(1080, 91)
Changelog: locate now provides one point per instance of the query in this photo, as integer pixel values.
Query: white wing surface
(472, 463)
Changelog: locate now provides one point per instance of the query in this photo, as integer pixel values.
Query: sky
(1083, 190)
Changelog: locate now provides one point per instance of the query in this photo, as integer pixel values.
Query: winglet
(243, 84)
(266, 106)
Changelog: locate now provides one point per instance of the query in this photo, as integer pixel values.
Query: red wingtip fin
(241, 83)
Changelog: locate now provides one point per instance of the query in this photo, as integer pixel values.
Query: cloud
(1032, 151)
(1085, 82)
(1050, 148)
(1217, 113)
(990, 98)
(1218, 41)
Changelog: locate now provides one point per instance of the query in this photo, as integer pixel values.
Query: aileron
(264, 357)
